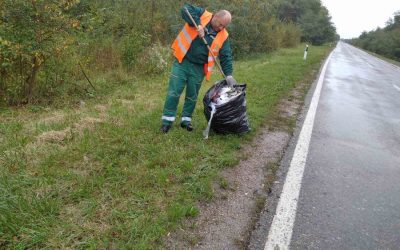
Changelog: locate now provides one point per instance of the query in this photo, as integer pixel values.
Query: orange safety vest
(184, 39)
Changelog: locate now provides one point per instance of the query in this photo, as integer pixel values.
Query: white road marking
(281, 229)
(396, 87)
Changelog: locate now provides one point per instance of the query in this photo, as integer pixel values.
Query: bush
(271, 39)
(44, 30)
(104, 54)
(397, 53)
(291, 35)
(154, 60)
(133, 45)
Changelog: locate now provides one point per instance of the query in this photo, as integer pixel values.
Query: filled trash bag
(225, 109)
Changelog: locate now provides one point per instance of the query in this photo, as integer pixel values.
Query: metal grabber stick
(205, 42)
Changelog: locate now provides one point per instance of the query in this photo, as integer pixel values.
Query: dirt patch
(226, 222)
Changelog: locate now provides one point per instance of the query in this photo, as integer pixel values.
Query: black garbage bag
(229, 117)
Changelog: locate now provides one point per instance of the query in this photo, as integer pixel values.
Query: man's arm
(194, 11)
(225, 57)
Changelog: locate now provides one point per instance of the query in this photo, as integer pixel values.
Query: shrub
(291, 35)
(133, 45)
(44, 30)
(104, 54)
(271, 38)
(154, 60)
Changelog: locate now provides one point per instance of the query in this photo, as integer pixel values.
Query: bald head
(223, 14)
(221, 19)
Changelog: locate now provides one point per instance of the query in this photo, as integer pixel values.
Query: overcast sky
(352, 17)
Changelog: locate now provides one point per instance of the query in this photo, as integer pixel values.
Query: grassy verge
(102, 175)
(394, 62)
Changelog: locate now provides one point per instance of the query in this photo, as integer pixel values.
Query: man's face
(219, 23)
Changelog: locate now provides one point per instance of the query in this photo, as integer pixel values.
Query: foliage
(313, 19)
(39, 63)
(132, 46)
(317, 27)
(44, 29)
(291, 36)
(384, 41)
(156, 58)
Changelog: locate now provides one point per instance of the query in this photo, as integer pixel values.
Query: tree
(384, 41)
(317, 27)
(313, 19)
(43, 28)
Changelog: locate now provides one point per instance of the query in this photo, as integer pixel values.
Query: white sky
(352, 17)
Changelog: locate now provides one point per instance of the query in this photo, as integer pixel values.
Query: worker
(193, 61)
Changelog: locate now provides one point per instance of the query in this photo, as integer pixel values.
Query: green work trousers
(185, 74)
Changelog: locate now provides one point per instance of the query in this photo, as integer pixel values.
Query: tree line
(48, 47)
(384, 41)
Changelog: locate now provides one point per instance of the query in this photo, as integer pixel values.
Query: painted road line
(396, 87)
(281, 229)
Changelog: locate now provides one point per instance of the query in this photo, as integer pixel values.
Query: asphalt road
(350, 190)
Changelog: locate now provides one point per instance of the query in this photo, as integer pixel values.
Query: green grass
(117, 182)
(389, 60)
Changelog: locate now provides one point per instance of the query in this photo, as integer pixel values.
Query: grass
(389, 60)
(103, 176)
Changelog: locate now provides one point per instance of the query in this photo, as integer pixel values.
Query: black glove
(230, 81)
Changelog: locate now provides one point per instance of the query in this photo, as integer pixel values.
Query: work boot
(187, 126)
(165, 128)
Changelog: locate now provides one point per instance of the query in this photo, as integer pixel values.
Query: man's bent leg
(192, 90)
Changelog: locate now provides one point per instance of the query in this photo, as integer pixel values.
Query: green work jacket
(198, 52)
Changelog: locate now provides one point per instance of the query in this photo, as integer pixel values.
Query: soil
(227, 221)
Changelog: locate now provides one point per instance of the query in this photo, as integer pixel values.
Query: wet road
(350, 189)
(350, 193)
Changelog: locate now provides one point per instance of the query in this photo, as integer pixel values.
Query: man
(194, 61)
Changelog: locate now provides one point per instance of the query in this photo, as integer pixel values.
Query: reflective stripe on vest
(185, 38)
(215, 47)
(182, 42)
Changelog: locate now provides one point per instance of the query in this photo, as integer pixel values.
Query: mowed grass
(102, 175)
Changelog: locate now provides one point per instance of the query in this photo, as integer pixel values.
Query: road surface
(349, 178)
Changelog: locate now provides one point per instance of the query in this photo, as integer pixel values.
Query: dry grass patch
(147, 100)
(86, 167)
(56, 117)
(101, 108)
(55, 136)
(128, 104)
(86, 123)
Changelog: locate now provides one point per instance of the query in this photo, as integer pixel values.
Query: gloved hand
(200, 31)
(231, 81)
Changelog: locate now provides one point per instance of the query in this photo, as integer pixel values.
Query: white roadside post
(305, 52)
